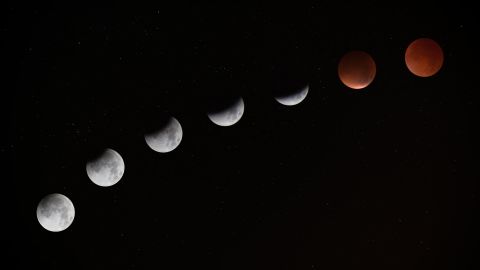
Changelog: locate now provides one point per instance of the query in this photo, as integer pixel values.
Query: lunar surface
(424, 57)
(55, 212)
(107, 169)
(166, 138)
(294, 98)
(357, 69)
(228, 116)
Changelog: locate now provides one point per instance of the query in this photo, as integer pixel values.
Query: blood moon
(357, 69)
(424, 57)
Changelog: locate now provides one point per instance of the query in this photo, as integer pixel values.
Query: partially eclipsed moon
(166, 138)
(55, 212)
(228, 116)
(424, 57)
(357, 69)
(107, 169)
(294, 98)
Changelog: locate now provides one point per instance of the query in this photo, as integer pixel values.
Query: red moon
(357, 69)
(424, 57)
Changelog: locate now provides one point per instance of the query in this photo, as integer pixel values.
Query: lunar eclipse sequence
(356, 70)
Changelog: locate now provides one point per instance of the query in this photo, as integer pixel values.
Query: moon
(424, 57)
(55, 212)
(294, 98)
(166, 138)
(228, 116)
(357, 69)
(107, 169)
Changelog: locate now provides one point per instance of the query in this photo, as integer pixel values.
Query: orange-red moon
(357, 69)
(424, 57)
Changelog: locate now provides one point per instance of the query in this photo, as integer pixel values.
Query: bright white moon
(228, 116)
(294, 98)
(107, 169)
(55, 212)
(166, 138)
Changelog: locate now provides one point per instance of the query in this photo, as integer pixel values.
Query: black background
(381, 178)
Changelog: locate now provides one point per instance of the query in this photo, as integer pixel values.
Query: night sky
(379, 178)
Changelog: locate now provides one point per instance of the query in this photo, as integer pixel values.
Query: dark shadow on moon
(228, 113)
(166, 137)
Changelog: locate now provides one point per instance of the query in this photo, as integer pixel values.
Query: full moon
(55, 212)
(294, 98)
(424, 57)
(166, 138)
(357, 69)
(107, 169)
(228, 116)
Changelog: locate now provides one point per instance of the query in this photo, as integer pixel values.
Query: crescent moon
(294, 98)
(166, 138)
(228, 116)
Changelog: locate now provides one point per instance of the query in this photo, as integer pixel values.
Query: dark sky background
(381, 178)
